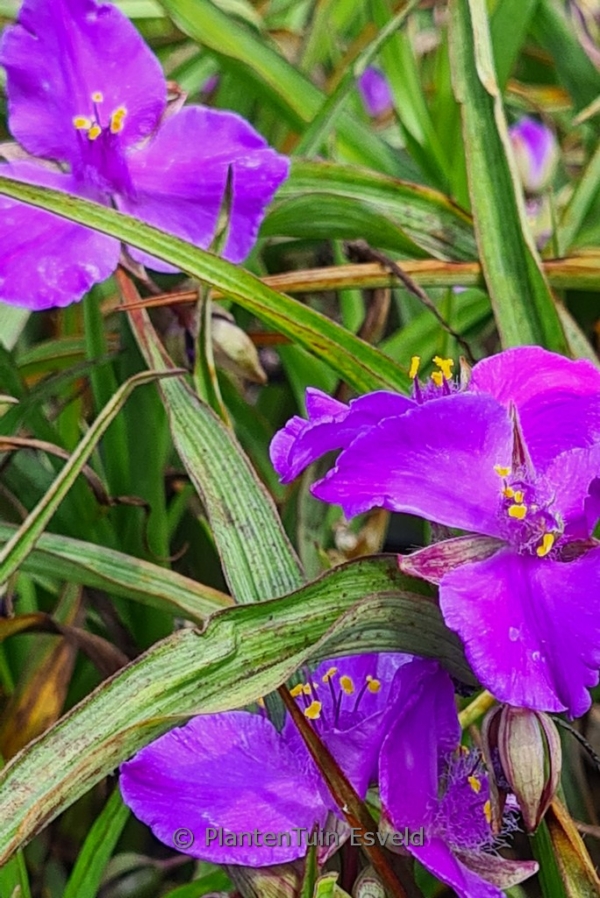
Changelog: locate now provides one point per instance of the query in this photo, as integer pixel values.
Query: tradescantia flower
(523, 598)
(233, 773)
(428, 782)
(87, 104)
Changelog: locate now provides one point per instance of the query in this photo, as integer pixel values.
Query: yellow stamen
(82, 123)
(445, 366)
(373, 685)
(519, 497)
(548, 541)
(501, 471)
(508, 492)
(475, 784)
(116, 120)
(313, 712)
(94, 132)
(307, 689)
(329, 674)
(517, 511)
(297, 690)
(487, 810)
(414, 366)
(347, 684)
(438, 378)
(97, 97)
(260, 702)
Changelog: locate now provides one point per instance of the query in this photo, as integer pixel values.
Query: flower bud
(536, 153)
(525, 752)
(375, 92)
(235, 351)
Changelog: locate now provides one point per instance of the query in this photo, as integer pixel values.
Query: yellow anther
(445, 366)
(347, 684)
(487, 810)
(329, 674)
(82, 123)
(475, 784)
(297, 690)
(508, 493)
(517, 511)
(307, 689)
(373, 685)
(260, 702)
(97, 97)
(116, 120)
(414, 366)
(94, 132)
(501, 471)
(313, 712)
(548, 541)
(438, 378)
(519, 497)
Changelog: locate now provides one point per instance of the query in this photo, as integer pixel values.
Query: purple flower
(226, 774)
(375, 92)
(428, 782)
(536, 153)
(523, 598)
(87, 102)
(540, 384)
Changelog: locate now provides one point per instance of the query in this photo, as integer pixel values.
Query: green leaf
(24, 539)
(551, 27)
(521, 299)
(243, 652)
(97, 849)
(257, 557)
(294, 93)
(509, 23)
(120, 575)
(398, 213)
(580, 203)
(360, 365)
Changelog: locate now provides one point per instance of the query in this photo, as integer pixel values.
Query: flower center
(527, 520)
(441, 383)
(464, 814)
(343, 696)
(93, 124)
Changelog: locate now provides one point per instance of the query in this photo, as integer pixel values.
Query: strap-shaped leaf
(399, 212)
(521, 298)
(120, 575)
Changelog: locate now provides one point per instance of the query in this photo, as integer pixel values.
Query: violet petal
(58, 55)
(180, 175)
(229, 771)
(436, 461)
(424, 729)
(47, 261)
(530, 626)
(330, 425)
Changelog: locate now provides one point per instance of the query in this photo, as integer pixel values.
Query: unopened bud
(235, 350)
(375, 91)
(525, 751)
(536, 153)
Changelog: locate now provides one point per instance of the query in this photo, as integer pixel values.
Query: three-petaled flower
(523, 599)
(234, 773)
(87, 104)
